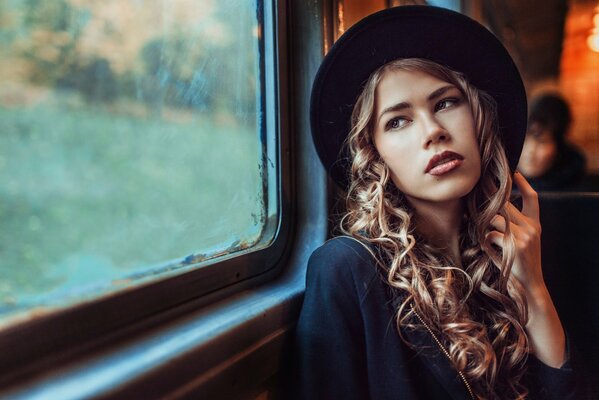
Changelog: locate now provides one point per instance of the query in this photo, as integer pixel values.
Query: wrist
(540, 304)
(537, 295)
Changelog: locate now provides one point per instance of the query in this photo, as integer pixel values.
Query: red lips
(443, 162)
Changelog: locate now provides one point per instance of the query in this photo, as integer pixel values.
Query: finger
(494, 237)
(516, 215)
(516, 199)
(498, 222)
(516, 221)
(491, 238)
(530, 199)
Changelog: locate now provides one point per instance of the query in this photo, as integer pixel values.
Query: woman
(435, 290)
(548, 161)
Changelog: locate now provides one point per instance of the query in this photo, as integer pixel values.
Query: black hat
(436, 34)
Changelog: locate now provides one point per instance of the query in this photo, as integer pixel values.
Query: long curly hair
(479, 322)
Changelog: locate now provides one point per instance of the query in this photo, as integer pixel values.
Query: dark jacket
(567, 173)
(347, 345)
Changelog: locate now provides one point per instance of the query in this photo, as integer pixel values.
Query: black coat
(347, 345)
(567, 173)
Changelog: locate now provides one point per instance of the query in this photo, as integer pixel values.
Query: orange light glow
(593, 42)
(593, 39)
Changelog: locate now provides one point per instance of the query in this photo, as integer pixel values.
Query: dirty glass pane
(129, 141)
(454, 5)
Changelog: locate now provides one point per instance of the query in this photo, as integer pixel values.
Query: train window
(450, 4)
(133, 144)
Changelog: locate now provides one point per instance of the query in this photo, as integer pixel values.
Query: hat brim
(443, 36)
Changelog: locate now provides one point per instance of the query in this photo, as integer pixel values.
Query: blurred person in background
(548, 161)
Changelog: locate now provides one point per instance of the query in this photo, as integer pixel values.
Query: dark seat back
(570, 257)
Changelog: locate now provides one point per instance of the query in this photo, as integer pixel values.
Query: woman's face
(424, 131)
(538, 153)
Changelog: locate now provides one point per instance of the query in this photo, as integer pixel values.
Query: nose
(434, 131)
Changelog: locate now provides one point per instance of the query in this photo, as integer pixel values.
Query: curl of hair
(480, 321)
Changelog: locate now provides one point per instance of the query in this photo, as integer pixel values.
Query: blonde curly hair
(479, 322)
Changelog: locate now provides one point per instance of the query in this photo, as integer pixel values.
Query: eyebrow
(403, 105)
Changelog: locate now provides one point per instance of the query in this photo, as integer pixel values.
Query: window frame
(73, 338)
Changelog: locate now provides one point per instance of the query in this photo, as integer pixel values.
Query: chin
(445, 190)
(529, 170)
(459, 188)
(446, 193)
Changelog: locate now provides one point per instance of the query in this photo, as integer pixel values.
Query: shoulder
(342, 259)
(346, 248)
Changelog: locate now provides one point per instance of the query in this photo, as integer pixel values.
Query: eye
(447, 103)
(396, 123)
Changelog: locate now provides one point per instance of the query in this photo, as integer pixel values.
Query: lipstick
(443, 163)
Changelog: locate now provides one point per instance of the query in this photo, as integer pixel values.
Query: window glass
(130, 142)
(454, 5)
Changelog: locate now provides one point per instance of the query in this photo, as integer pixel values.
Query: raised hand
(545, 331)
(525, 228)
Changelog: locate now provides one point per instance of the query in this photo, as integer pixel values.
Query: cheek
(477, 158)
(528, 147)
(397, 168)
(476, 167)
(476, 148)
(533, 154)
(396, 160)
(393, 150)
(547, 153)
(463, 121)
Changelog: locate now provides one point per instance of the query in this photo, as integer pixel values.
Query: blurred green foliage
(116, 155)
(179, 68)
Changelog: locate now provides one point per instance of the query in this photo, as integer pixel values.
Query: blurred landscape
(129, 137)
